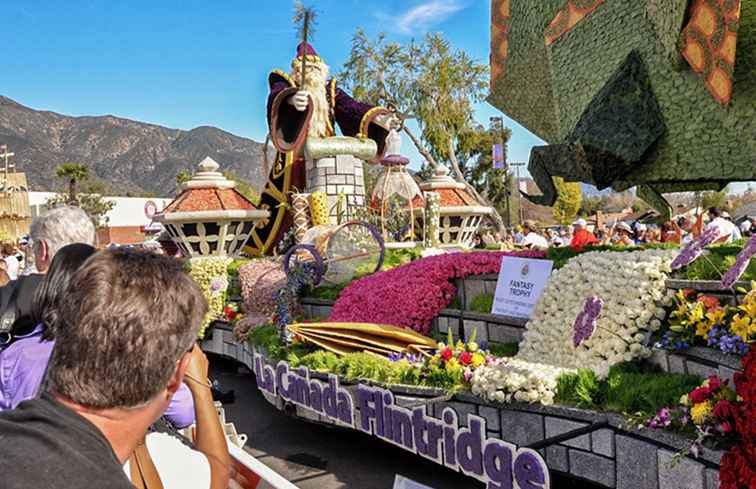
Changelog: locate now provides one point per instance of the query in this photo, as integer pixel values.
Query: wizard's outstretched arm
(357, 119)
(288, 126)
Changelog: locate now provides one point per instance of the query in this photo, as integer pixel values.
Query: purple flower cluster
(725, 342)
(585, 323)
(741, 263)
(666, 416)
(411, 295)
(694, 249)
(395, 357)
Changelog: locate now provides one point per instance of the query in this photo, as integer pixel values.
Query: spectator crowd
(99, 367)
(621, 233)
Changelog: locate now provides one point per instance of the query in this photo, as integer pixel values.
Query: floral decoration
(741, 264)
(737, 470)
(211, 274)
(709, 411)
(633, 286)
(700, 319)
(509, 379)
(412, 295)
(695, 248)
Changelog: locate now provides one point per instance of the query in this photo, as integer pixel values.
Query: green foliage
(714, 199)
(629, 388)
(591, 205)
(233, 267)
(319, 361)
(720, 259)
(392, 259)
(182, 177)
(326, 292)
(243, 187)
(84, 192)
(369, 366)
(72, 173)
(482, 303)
(268, 338)
(745, 65)
(504, 349)
(569, 199)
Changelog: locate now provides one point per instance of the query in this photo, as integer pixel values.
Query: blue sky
(188, 63)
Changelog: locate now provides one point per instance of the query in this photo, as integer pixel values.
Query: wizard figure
(296, 113)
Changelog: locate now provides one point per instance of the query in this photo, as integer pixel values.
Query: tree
(432, 83)
(591, 205)
(714, 199)
(569, 198)
(73, 173)
(94, 205)
(243, 187)
(84, 192)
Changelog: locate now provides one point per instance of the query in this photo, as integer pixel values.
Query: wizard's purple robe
(288, 131)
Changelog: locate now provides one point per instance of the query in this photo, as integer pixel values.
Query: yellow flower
(703, 328)
(478, 359)
(700, 412)
(749, 308)
(697, 313)
(716, 316)
(684, 400)
(452, 364)
(741, 326)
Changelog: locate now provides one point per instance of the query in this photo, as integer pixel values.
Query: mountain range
(132, 157)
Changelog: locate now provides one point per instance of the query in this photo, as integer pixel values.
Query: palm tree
(73, 172)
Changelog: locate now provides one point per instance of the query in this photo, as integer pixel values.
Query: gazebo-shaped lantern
(460, 212)
(210, 217)
(395, 186)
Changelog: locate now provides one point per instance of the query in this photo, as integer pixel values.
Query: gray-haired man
(49, 233)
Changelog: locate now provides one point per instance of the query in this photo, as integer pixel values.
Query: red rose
(465, 358)
(714, 382)
(446, 353)
(700, 394)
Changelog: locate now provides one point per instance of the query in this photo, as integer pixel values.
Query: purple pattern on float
(741, 264)
(694, 249)
(585, 323)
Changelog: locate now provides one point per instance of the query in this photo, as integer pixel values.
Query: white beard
(316, 77)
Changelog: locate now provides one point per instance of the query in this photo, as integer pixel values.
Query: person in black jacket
(49, 233)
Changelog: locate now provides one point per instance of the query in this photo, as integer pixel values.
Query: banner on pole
(498, 157)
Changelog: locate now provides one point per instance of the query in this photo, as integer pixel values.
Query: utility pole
(497, 129)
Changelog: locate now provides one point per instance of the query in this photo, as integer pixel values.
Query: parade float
(629, 367)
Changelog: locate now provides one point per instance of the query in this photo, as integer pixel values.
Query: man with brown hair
(123, 349)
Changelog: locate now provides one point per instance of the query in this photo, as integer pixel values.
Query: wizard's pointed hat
(305, 49)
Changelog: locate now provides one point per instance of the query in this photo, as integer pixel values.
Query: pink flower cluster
(412, 295)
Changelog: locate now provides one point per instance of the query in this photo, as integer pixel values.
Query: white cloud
(421, 17)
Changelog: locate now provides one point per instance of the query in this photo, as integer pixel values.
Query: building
(129, 222)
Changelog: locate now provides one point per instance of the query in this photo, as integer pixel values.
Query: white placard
(401, 482)
(520, 283)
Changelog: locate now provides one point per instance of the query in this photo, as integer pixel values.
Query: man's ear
(41, 256)
(178, 375)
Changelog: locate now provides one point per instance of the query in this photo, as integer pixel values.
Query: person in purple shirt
(23, 362)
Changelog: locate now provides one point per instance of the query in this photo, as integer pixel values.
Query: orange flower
(709, 301)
